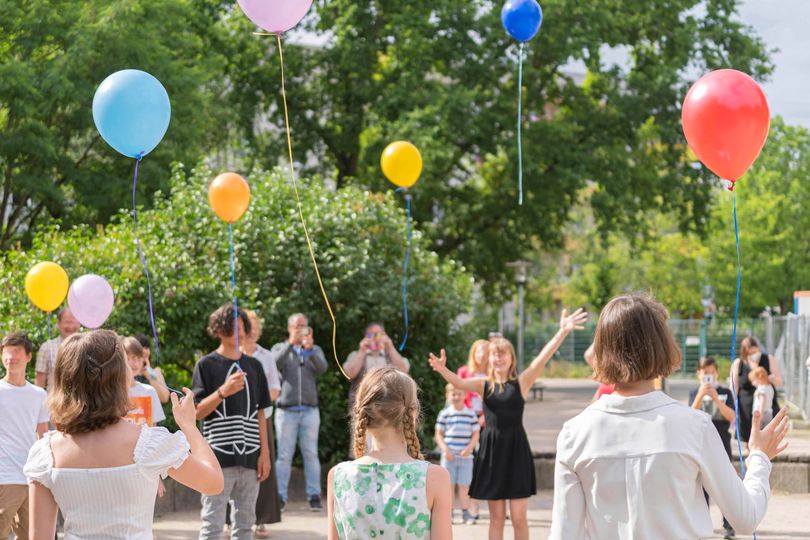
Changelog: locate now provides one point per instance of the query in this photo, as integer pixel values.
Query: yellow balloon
(401, 163)
(47, 285)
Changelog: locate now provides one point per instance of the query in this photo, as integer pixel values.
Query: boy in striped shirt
(457, 432)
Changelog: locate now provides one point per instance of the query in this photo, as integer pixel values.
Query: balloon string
(143, 257)
(145, 266)
(519, 122)
(301, 210)
(48, 318)
(233, 290)
(405, 271)
(734, 342)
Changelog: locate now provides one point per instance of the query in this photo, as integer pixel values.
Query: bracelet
(219, 393)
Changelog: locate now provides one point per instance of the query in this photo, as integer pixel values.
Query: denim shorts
(460, 470)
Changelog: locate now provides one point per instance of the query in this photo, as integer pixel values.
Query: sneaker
(729, 533)
(467, 518)
(315, 504)
(283, 505)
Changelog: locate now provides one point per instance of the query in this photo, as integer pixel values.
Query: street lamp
(521, 276)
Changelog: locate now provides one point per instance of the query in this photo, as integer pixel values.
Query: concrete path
(787, 519)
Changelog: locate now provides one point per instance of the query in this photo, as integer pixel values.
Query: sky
(783, 24)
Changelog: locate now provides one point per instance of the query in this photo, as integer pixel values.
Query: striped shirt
(457, 427)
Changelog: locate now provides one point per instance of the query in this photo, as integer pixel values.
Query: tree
(442, 74)
(53, 163)
(359, 241)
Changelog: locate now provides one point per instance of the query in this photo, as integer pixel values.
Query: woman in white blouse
(634, 464)
(99, 470)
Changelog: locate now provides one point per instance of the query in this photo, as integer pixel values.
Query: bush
(359, 242)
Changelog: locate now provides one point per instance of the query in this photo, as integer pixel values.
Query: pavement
(788, 517)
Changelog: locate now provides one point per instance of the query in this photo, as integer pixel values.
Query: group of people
(634, 464)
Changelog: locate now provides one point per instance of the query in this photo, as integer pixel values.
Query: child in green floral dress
(390, 492)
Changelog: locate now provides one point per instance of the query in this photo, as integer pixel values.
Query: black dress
(503, 468)
(746, 395)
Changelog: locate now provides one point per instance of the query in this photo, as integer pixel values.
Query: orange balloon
(229, 195)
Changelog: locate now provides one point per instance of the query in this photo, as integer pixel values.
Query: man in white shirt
(23, 419)
(67, 325)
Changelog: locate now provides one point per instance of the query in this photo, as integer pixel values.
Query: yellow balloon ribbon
(301, 210)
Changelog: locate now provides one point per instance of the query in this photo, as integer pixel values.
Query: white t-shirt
(21, 409)
(147, 409)
(767, 391)
(270, 372)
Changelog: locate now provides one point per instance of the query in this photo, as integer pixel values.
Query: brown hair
(17, 339)
(89, 383)
(387, 398)
(133, 347)
(221, 322)
(501, 344)
(633, 342)
(758, 374)
(472, 364)
(255, 321)
(707, 361)
(748, 343)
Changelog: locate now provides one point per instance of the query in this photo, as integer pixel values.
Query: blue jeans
(300, 425)
(241, 488)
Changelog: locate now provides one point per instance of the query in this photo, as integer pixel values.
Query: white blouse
(635, 468)
(114, 502)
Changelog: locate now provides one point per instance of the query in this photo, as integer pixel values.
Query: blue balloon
(131, 110)
(522, 18)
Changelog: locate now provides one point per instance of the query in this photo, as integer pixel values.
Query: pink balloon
(91, 300)
(275, 16)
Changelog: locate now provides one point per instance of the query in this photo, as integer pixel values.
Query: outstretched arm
(439, 365)
(568, 323)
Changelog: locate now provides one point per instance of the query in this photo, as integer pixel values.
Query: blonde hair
(633, 342)
(501, 344)
(387, 398)
(472, 363)
(255, 321)
(758, 374)
(90, 381)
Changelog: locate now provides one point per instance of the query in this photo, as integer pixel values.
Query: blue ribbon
(233, 289)
(519, 122)
(145, 266)
(405, 270)
(734, 341)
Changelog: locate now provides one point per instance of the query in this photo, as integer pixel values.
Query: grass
(563, 369)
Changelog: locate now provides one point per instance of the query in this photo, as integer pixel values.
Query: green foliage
(53, 163)
(359, 241)
(443, 75)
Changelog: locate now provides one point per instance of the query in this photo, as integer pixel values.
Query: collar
(615, 403)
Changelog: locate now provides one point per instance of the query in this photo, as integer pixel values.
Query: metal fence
(787, 338)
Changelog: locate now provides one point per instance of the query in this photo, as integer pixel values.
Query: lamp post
(521, 276)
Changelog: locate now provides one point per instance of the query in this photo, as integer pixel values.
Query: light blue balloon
(131, 110)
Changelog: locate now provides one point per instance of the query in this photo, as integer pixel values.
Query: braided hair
(387, 398)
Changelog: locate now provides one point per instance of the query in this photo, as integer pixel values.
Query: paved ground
(787, 519)
(788, 516)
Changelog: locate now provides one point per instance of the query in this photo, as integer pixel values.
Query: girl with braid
(389, 491)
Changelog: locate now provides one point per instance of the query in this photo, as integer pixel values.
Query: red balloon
(726, 119)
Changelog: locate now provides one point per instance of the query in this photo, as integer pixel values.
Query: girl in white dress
(99, 470)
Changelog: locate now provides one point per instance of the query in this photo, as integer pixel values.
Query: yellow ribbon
(300, 209)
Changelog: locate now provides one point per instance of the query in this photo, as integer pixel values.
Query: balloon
(46, 285)
(522, 18)
(725, 120)
(91, 300)
(131, 110)
(275, 16)
(401, 163)
(229, 196)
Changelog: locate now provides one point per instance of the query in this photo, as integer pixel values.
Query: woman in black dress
(751, 357)
(504, 468)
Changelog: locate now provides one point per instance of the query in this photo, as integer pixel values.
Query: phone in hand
(710, 379)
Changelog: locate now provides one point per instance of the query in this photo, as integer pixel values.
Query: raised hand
(575, 321)
(184, 410)
(233, 384)
(769, 440)
(438, 363)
